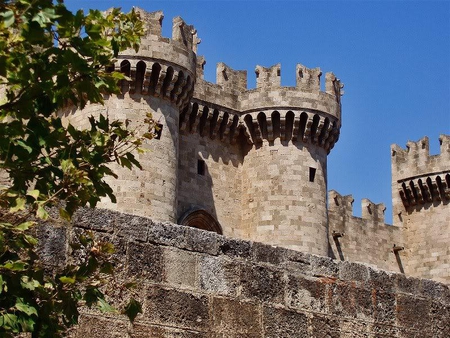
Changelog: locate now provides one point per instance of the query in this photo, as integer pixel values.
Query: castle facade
(252, 163)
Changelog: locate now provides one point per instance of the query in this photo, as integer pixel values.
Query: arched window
(200, 219)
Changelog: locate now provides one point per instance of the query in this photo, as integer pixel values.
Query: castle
(252, 163)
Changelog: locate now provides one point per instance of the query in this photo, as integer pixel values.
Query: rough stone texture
(259, 291)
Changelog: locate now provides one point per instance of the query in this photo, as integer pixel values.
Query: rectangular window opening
(312, 174)
(201, 166)
(158, 131)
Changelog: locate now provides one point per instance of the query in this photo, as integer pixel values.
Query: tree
(51, 58)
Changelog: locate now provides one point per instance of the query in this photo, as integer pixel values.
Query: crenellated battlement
(343, 205)
(184, 35)
(163, 67)
(270, 110)
(418, 177)
(229, 79)
(363, 239)
(416, 160)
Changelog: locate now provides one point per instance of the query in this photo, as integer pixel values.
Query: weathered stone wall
(365, 239)
(196, 283)
(421, 206)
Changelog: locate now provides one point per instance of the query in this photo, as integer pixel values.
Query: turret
(161, 81)
(421, 205)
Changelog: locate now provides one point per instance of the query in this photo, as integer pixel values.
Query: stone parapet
(419, 178)
(366, 239)
(199, 284)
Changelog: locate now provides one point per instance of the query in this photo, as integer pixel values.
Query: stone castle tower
(252, 163)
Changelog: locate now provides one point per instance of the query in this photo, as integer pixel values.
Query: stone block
(202, 241)
(145, 260)
(219, 275)
(100, 327)
(435, 290)
(177, 309)
(353, 272)
(324, 267)
(133, 228)
(284, 323)
(269, 254)
(352, 328)
(180, 268)
(440, 320)
(167, 234)
(141, 330)
(236, 318)
(323, 326)
(236, 248)
(95, 219)
(53, 245)
(384, 306)
(406, 284)
(306, 293)
(262, 283)
(414, 313)
(381, 280)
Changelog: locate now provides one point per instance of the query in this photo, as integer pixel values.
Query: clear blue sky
(393, 57)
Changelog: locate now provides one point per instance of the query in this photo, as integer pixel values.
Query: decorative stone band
(151, 77)
(418, 191)
(308, 126)
(215, 122)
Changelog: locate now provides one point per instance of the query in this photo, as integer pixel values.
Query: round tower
(421, 206)
(292, 130)
(162, 76)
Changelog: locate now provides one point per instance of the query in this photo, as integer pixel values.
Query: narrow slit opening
(312, 174)
(201, 167)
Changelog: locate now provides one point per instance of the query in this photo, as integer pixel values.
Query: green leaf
(9, 321)
(25, 308)
(31, 240)
(64, 214)
(25, 226)
(132, 309)
(14, 265)
(104, 306)
(8, 18)
(107, 268)
(24, 146)
(27, 323)
(42, 213)
(29, 283)
(19, 205)
(67, 280)
(33, 193)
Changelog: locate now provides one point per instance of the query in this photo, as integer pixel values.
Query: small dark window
(158, 131)
(312, 174)
(201, 167)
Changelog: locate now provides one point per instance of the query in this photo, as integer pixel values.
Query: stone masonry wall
(153, 190)
(218, 189)
(280, 205)
(365, 239)
(196, 283)
(421, 206)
